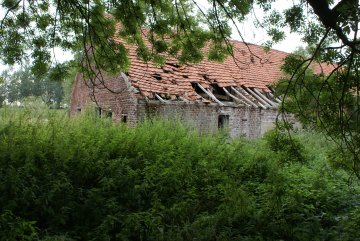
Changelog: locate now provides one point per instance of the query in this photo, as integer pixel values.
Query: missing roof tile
(205, 76)
(220, 93)
(198, 90)
(157, 76)
(167, 71)
(173, 65)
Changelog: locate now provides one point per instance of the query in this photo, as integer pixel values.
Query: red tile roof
(251, 66)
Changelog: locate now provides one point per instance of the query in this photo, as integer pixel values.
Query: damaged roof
(245, 77)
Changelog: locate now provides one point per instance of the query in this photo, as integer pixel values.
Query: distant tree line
(17, 86)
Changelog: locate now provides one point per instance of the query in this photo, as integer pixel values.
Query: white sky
(250, 33)
(258, 36)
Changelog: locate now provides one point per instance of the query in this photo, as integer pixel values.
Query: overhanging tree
(31, 29)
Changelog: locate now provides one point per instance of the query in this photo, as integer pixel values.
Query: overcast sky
(250, 33)
(258, 36)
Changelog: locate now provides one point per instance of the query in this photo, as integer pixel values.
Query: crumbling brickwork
(110, 96)
(115, 95)
(235, 94)
(243, 121)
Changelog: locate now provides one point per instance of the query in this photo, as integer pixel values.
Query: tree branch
(330, 18)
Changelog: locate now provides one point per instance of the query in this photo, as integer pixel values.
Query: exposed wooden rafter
(161, 99)
(245, 98)
(277, 99)
(234, 97)
(265, 98)
(210, 94)
(257, 97)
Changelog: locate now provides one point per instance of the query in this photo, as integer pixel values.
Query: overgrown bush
(287, 147)
(90, 179)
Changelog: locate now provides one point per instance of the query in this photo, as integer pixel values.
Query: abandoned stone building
(235, 94)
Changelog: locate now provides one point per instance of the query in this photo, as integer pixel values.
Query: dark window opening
(157, 76)
(98, 112)
(108, 114)
(123, 118)
(219, 93)
(223, 121)
(78, 109)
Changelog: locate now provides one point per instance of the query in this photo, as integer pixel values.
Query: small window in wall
(123, 118)
(98, 112)
(78, 109)
(108, 114)
(223, 121)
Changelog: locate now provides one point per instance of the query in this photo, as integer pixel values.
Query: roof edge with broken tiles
(248, 84)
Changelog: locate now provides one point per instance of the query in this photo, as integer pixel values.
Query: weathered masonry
(234, 94)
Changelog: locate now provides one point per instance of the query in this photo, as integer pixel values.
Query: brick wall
(117, 96)
(243, 121)
(78, 96)
(110, 93)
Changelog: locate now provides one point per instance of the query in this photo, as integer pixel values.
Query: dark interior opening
(198, 90)
(98, 112)
(108, 114)
(173, 65)
(123, 118)
(220, 93)
(245, 89)
(166, 71)
(157, 76)
(217, 89)
(223, 121)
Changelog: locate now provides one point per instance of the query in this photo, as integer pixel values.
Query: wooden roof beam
(245, 98)
(265, 98)
(210, 94)
(234, 97)
(258, 98)
(161, 99)
(277, 99)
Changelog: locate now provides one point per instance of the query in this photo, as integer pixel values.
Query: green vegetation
(31, 31)
(91, 179)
